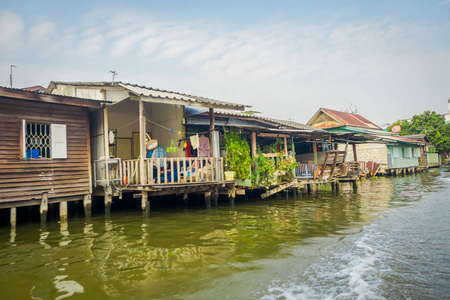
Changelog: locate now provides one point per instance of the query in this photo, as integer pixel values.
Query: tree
(430, 123)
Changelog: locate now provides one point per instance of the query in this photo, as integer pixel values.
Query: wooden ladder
(333, 164)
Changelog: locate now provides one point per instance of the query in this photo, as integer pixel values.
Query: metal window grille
(37, 138)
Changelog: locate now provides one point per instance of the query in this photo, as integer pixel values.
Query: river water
(389, 240)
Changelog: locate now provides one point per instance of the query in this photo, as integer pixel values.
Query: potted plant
(238, 154)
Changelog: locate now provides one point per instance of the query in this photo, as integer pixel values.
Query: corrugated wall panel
(27, 179)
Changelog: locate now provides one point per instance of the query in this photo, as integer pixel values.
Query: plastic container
(229, 175)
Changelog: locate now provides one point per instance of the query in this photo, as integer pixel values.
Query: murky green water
(311, 247)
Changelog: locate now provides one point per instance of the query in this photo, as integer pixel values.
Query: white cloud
(370, 63)
(11, 31)
(42, 34)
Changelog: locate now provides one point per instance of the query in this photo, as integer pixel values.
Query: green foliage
(238, 154)
(430, 123)
(264, 168)
(268, 171)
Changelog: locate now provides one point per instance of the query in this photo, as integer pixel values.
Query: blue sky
(389, 59)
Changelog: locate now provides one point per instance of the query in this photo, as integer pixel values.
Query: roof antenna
(114, 75)
(10, 74)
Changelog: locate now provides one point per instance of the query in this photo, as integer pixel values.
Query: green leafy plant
(238, 154)
(264, 169)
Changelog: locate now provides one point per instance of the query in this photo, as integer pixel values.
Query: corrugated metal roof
(290, 124)
(42, 95)
(156, 93)
(350, 119)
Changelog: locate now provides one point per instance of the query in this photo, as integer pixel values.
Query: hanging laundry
(204, 148)
(189, 149)
(194, 141)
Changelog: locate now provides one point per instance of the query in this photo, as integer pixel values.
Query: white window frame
(57, 136)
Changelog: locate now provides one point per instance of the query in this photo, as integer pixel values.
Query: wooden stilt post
(185, 198)
(145, 204)
(215, 198)
(355, 186)
(13, 216)
(208, 199)
(142, 132)
(108, 199)
(308, 188)
(87, 204)
(63, 211)
(337, 187)
(231, 195)
(44, 207)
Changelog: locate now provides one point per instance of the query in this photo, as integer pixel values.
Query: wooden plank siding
(25, 180)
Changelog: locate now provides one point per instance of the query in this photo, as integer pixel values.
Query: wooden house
(383, 151)
(318, 159)
(44, 148)
(121, 162)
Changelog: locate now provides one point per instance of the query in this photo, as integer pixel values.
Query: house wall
(433, 159)
(23, 181)
(161, 118)
(368, 152)
(402, 161)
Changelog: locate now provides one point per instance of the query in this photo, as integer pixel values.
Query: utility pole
(10, 74)
(114, 75)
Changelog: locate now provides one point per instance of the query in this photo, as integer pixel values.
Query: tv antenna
(114, 73)
(10, 74)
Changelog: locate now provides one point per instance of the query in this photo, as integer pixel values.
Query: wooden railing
(174, 170)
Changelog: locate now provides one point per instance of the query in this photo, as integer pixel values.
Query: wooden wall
(23, 181)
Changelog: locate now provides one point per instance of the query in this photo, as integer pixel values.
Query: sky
(385, 60)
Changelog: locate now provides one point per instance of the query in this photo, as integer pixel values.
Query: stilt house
(44, 148)
(383, 152)
(123, 132)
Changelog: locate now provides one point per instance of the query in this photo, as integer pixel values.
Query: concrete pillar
(208, 199)
(13, 216)
(43, 209)
(63, 211)
(87, 204)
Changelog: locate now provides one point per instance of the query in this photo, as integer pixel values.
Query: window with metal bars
(37, 140)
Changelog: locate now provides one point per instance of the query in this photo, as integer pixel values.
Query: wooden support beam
(314, 144)
(63, 211)
(13, 216)
(355, 157)
(215, 198)
(208, 199)
(87, 204)
(108, 199)
(254, 144)
(185, 198)
(211, 128)
(43, 209)
(142, 145)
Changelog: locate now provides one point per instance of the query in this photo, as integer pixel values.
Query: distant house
(389, 151)
(44, 148)
(36, 88)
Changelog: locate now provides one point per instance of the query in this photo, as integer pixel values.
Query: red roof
(36, 88)
(349, 119)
